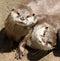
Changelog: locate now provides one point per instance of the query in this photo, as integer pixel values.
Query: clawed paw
(19, 55)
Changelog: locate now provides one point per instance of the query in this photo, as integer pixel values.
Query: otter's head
(45, 36)
(23, 14)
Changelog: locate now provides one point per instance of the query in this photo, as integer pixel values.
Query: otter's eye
(28, 16)
(33, 14)
(18, 13)
(46, 28)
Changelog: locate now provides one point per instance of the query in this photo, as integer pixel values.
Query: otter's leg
(21, 48)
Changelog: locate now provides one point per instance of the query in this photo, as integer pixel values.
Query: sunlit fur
(43, 37)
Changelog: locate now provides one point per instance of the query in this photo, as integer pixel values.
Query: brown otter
(19, 22)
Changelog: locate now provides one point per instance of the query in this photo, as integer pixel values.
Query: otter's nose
(22, 18)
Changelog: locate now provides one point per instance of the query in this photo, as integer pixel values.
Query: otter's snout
(22, 18)
(51, 43)
(49, 37)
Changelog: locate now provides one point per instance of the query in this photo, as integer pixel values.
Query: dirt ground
(7, 54)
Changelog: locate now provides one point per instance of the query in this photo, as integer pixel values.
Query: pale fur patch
(28, 21)
(21, 48)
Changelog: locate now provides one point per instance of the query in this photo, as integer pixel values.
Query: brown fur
(16, 30)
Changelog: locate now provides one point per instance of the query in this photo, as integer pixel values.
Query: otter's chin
(44, 46)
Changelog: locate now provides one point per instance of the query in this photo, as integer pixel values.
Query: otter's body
(52, 20)
(19, 22)
(43, 37)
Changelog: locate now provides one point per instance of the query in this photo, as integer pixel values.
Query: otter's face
(45, 37)
(23, 16)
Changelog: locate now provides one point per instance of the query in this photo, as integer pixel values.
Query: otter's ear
(33, 14)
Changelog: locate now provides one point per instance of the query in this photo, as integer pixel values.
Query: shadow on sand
(6, 45)
(57, 49)
(33, 55)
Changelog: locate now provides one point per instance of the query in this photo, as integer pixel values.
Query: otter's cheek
(31, 20)
(13, 15)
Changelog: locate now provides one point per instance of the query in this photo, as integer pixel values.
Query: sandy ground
(6, 53)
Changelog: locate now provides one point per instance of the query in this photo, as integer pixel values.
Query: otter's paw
(19, 55)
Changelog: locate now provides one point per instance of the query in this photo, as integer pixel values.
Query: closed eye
(28, 16)
(18, 13)
(33, 14)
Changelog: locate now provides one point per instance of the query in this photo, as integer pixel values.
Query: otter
(19, 22)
